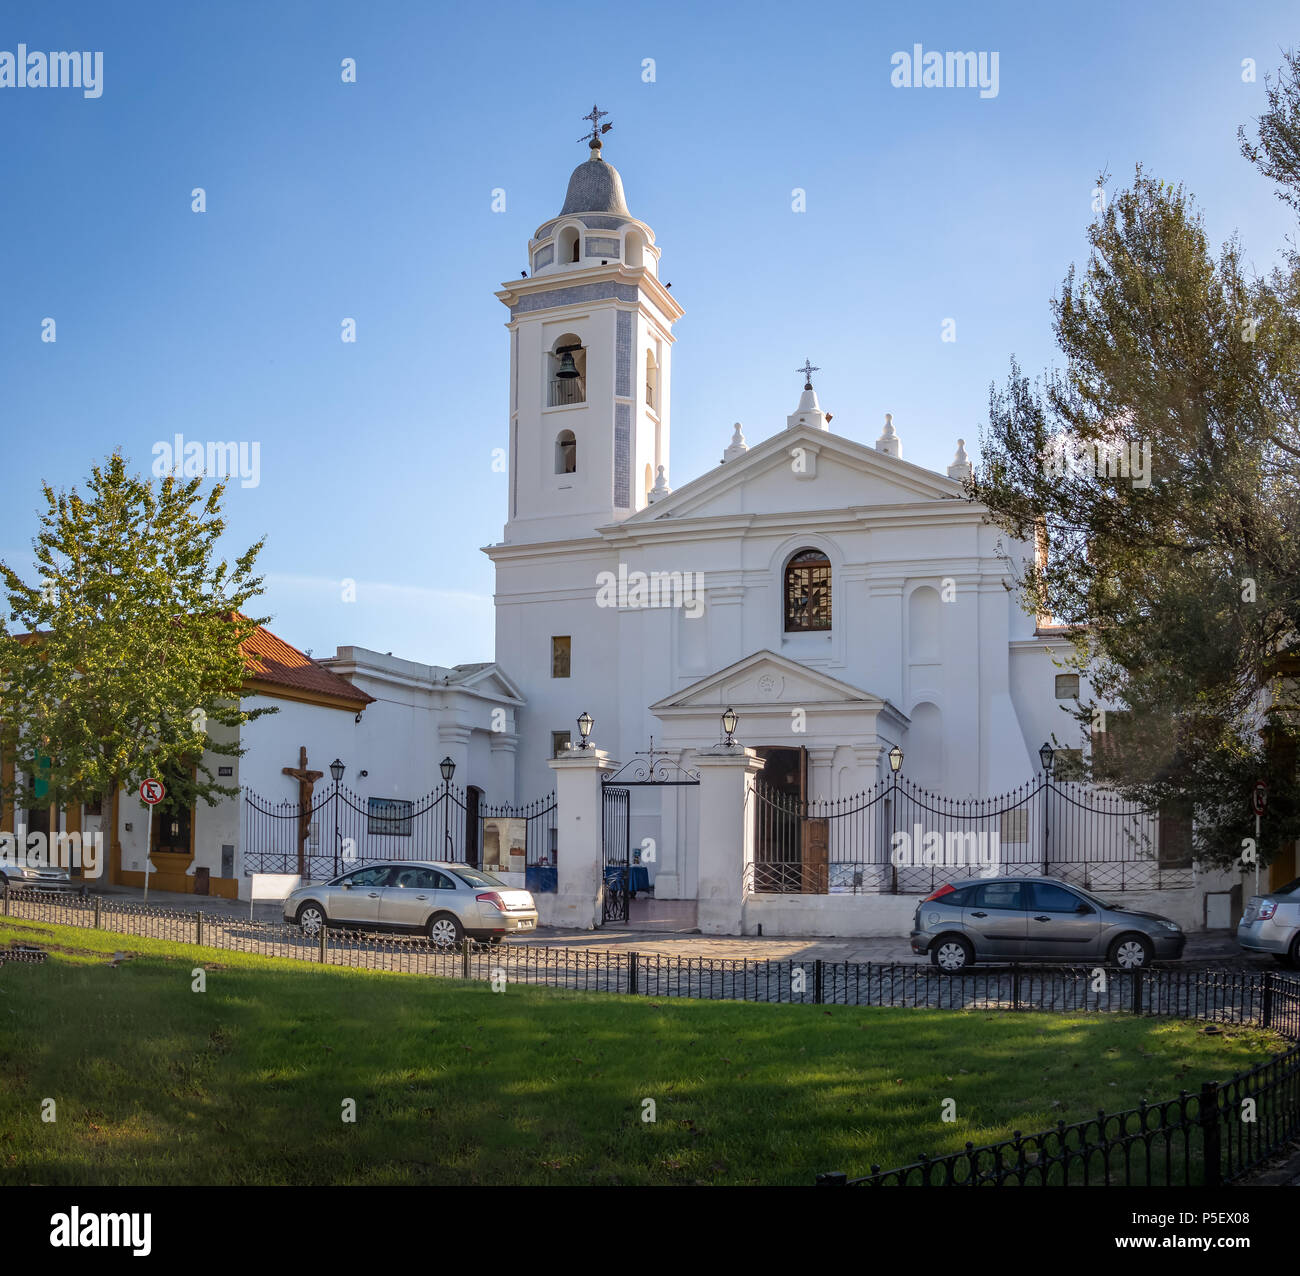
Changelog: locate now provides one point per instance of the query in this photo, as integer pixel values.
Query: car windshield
(474, 877)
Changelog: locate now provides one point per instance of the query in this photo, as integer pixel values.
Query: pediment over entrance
(765, 682)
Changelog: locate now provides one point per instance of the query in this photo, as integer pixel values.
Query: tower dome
(595, 187)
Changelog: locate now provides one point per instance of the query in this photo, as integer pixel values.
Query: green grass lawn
(454, 1083)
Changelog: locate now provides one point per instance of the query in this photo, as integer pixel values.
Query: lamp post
(448, 769)
(729, 720)
(895, 765)
(336, 774)
(1046, 755)
(585, 723)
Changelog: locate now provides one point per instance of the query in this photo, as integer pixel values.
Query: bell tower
(590, 362)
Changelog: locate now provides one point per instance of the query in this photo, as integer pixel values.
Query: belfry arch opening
(566, 453)
(568, 371)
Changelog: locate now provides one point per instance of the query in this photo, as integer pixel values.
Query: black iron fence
(1209, 1137)
(342, 829)
(899, 838)
(1200, 1139)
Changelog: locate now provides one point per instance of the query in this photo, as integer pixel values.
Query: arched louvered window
(807, 592)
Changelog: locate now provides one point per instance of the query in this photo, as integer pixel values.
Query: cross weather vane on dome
(807, 371)
(597, 128)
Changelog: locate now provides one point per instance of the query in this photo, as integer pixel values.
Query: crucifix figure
(306, 783)
(807, 371)
(597, 128)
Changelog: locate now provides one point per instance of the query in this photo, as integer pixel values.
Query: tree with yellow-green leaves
(122, 659)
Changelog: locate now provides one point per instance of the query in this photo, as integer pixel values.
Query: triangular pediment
(766, 680)
(491, 682)
(798, 470)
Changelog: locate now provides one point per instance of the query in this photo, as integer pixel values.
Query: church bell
(568, 370)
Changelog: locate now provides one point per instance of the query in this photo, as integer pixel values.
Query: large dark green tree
(122, 659)
(1180, 586)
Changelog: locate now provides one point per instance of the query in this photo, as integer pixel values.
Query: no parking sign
(151, 793)
(1259, 798)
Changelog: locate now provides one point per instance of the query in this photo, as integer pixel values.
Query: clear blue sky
(373, 201)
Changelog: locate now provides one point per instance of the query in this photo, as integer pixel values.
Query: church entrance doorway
(473, 826)
(791, 846)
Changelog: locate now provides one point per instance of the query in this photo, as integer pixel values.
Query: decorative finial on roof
(660, 488)
(961, 467)
(737, 447)
(597, 128)
(807, 371)
(889, 442)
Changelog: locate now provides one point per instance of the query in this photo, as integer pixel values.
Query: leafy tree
(123, 660)
(1276, 153)
(1179, 579)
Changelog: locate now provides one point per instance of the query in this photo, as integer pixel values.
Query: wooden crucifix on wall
(306, 785)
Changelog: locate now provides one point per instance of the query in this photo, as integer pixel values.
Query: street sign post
(151, 793)
(1258, 802)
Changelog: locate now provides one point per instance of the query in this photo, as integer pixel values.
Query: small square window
(1067, 686)
(561, 649)
(560, 741)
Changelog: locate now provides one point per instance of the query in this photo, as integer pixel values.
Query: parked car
(1271, 924)
(999, 919)
(444, 901)
(21, 877)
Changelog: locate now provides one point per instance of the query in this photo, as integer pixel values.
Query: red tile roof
(272, 660)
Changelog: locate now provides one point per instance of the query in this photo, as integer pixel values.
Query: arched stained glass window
(807, 592)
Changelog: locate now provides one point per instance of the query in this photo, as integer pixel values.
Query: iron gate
(616, 836)
(652, 768)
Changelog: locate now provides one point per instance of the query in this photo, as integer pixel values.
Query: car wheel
(311, 917)
(1131, 952)
(952, 953)
(1291, 957)
(445, 929)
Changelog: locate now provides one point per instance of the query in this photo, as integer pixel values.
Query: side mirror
(1084, 908)
(347, 886)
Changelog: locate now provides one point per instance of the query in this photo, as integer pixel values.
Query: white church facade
(839, 598)
(842, 601)
(807, 572)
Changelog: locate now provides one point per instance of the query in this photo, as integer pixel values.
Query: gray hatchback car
(999, 919)
(444, 901)
(1271, 924)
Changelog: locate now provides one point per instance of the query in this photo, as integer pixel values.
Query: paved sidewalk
(1203, 946)
(1206, 946)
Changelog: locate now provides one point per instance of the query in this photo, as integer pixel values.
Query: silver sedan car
(1271, 924)
(19, 877)
(442, 900)
(1002, 919)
